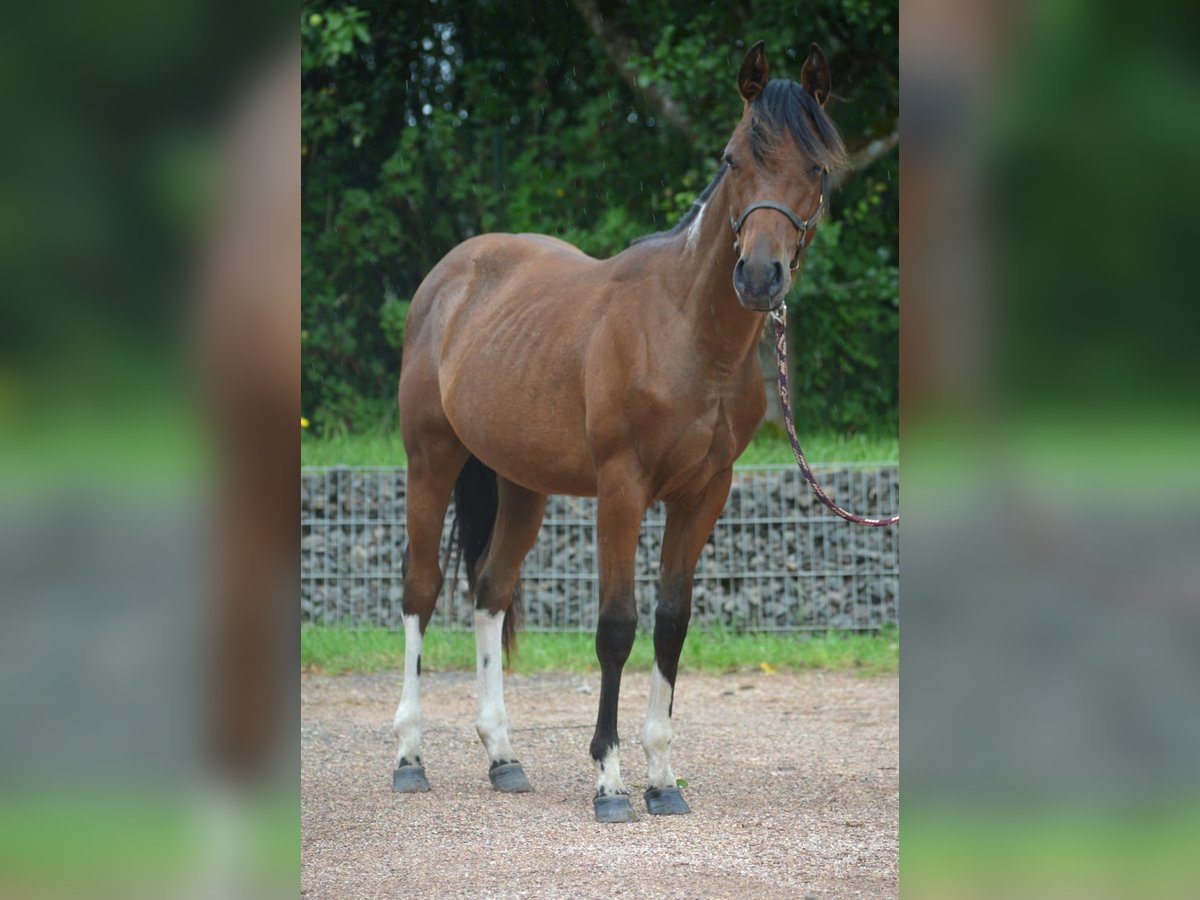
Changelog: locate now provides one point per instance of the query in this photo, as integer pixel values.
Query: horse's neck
(704, 257)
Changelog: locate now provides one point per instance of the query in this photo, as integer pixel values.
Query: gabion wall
(776, 561)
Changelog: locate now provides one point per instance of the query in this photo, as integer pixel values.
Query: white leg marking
(492, 723)
(693, 234)
(656, 734)
(608, 774)
(407, 723)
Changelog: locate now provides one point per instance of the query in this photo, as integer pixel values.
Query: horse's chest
(730, 426)
(705, 430)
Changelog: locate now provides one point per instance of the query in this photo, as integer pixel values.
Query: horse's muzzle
(760, 286)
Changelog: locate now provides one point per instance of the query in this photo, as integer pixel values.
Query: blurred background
(150, 304)
(149, 225)
(1051, 718)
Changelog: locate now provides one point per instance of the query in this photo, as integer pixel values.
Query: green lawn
(766, 448)
(117, 838)
(1052, 851)
(336, 650)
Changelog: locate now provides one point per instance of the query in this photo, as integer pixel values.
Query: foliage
(424, 124)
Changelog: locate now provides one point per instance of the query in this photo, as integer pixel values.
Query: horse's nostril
(739, 276)
(777, 278)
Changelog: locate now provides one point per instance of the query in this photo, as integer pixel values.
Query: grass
(769, 446)
(342, 449)
(81, 839)
(149, 445)
(334, 650)
(1043, 852)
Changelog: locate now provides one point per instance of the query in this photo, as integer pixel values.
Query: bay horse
(531, 368)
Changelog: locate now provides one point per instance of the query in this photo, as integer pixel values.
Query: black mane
(781, 105)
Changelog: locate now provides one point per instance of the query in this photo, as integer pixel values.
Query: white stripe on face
(407, 723)
(656, 734)
(492, 722)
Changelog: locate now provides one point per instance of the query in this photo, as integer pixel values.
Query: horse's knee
(616, 631)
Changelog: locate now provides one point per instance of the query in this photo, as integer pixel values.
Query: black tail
(475, 506)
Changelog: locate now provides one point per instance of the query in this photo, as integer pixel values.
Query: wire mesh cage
(776, 560)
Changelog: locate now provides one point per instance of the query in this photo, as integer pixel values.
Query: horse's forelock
(784, 107)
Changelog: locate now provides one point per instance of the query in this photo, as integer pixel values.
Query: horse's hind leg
(435, 459)
(518, 518)
(689, 524)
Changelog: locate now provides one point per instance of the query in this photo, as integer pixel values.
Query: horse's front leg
(689, 523)
(619, 520)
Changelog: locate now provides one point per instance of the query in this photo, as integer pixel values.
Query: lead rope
(779, 317)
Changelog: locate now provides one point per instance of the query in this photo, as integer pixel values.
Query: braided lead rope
(779, 317)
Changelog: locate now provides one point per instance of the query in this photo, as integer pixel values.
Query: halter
(802, 225)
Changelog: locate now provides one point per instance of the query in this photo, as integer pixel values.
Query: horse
(530, 368)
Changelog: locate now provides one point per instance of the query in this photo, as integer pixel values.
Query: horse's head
(778, 161)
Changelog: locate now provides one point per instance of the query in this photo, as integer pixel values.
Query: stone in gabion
(774, 561)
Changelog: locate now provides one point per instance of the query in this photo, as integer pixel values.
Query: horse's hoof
(614, 808)
(510, 778)
(666, 802)
(409, 780)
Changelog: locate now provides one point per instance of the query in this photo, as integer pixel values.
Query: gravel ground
(792, 778)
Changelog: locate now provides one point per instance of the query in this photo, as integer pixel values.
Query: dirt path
(792, 779)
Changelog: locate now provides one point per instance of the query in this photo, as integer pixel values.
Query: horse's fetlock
(602, 747)
(656, 736)
(491, 723)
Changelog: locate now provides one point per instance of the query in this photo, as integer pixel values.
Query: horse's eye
(814, 169)
(728, 160)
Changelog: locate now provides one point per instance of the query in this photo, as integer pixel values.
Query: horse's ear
(752, 77)
(814, 77)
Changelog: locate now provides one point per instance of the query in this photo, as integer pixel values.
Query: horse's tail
(475, 504)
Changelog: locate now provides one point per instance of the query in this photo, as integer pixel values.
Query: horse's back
(504, 249)
(485, 261)
(552, 243)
